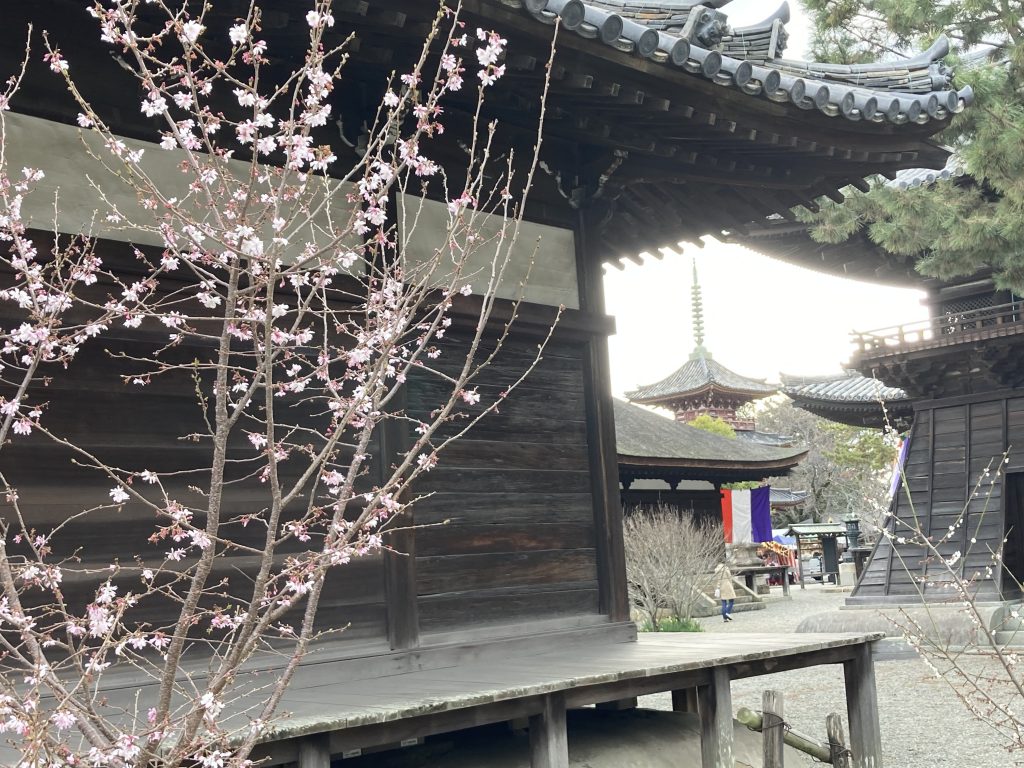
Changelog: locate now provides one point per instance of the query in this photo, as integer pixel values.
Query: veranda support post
(862, 709)
(549, 740)
(315, 751)
(716, 728)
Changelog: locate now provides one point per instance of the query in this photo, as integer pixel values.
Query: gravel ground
(924, 725)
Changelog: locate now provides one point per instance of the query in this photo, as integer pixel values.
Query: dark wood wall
(704, 505)
(149, 427)
(953, 444)
(508, 525)
(507, 535)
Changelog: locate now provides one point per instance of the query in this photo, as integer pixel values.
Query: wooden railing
(943, 330)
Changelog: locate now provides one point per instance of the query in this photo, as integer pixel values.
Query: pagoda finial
(697, 308)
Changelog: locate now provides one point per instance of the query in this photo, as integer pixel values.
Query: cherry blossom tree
(289, 271)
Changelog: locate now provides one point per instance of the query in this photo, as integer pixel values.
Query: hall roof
(697, 376)
(695, 35)
(645, 439)
(773, 134)
(817, 529)
(858, 257)
(662, 121)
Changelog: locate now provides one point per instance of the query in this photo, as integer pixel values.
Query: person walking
(724, 590)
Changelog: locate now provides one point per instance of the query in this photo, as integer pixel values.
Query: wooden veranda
(340, 707)
(331, 717)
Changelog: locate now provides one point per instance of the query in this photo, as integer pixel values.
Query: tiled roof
(913, 90)
(699, 374)
(817, 529)
(765, 438)
(849, 387)
(917, 177)
(640, 433)
(784, 497)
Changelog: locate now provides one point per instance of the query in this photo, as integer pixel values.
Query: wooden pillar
(604, 462)
(315, 751)
(716, 729)
(401, 606)
(685, 700)
(772, 728)
(862, 709)
(549, 740)
(800, 561)
(400, 554)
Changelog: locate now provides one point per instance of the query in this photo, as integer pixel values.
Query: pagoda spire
(697, 308)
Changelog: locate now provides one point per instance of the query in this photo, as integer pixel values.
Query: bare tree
(847, 469)
(670, 560)
(289, 273)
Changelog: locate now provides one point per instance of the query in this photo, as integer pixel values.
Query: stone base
(638, 738)
(847, 574)
(943, 624)
(740, 555)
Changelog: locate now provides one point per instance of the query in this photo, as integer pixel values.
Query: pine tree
(960, 226)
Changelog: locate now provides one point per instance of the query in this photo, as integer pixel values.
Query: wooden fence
(776, 733)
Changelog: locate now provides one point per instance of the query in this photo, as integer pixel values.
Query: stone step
(741, 597)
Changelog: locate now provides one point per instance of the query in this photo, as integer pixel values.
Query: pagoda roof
(766, 438)
(645, 438)
(910, 178)
(849, 398)
(698, 375)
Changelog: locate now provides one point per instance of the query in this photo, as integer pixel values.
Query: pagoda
(702, 385)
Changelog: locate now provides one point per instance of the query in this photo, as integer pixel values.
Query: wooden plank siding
(147, 427)
(506, 534)
(522, 540)
(951, 472)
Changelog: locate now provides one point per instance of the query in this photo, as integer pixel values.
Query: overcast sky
(762, 317)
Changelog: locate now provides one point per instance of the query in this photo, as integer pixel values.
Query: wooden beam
(716, 728)
(583, 696)
(549, 738)
(862, 709)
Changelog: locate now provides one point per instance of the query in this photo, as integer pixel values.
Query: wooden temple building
(955, 384)
(663, 123)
